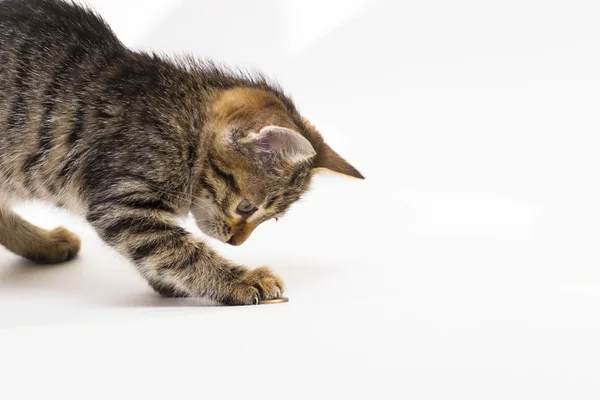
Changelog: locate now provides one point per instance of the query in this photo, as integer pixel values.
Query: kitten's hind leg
(34, 243)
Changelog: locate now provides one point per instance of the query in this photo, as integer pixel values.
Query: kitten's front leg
(175, 263)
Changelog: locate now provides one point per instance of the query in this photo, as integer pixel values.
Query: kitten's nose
(241, 233)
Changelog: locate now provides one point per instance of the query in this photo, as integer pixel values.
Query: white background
(466, 266)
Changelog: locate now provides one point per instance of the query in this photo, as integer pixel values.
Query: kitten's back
(37, 37)
(37, 34)
(55, 18)
(48, 48)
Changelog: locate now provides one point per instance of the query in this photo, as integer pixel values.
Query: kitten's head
(261, 155)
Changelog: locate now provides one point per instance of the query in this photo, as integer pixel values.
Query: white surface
(465, 267)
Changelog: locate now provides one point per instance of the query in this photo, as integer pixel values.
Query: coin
(274, 301)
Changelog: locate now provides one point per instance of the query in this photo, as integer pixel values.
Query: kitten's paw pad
(62, 245)
(256, 285)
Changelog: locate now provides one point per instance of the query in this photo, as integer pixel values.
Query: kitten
(132, 141)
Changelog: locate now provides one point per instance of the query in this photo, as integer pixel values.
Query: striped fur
(132, 141)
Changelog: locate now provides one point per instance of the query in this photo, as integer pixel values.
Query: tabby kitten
(132, 141)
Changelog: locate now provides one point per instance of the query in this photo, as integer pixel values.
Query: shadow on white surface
(21, 278)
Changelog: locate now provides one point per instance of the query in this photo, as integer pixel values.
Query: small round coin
(274, 301)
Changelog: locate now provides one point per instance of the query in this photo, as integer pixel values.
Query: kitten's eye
(246, 207)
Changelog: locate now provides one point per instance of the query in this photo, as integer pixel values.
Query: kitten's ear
(280, 142)
(329, 159)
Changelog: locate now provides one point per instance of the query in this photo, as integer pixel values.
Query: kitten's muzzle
(240, 233)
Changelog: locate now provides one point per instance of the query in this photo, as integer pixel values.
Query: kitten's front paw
(255, 285)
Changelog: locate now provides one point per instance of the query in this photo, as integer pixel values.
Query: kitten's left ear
(328, 159)
(279, 142)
